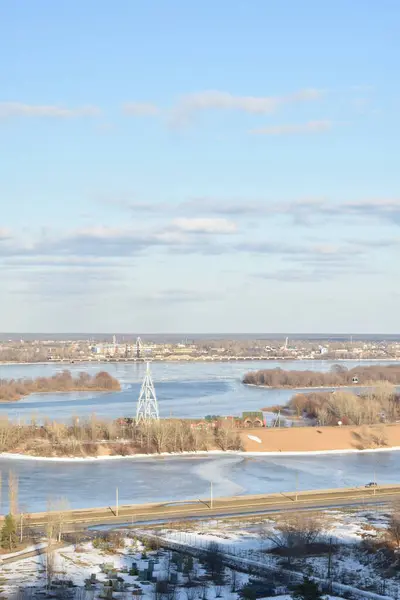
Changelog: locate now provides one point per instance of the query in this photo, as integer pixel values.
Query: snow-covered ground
(345, 529)
(245, 539)
(78, 564)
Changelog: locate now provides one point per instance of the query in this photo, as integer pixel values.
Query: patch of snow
(254, 438)
(14, 456)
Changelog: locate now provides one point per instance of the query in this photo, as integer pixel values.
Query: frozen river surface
(183, 390)
(187, 390)
(85, 484)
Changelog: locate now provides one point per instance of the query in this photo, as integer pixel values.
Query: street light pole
(116, 502)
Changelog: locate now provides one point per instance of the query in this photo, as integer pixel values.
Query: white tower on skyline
(147, 406)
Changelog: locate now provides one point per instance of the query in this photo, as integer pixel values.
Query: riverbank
(321, 439)
(287, 441)
(183, 455)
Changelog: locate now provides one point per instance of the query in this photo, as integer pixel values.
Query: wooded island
(338, 376)
(15, 389)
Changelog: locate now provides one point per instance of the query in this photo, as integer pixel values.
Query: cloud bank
(19, 109)
(310, 127)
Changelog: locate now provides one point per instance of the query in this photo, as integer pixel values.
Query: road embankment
(204, 508)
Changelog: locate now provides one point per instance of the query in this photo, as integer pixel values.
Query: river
(185, 390)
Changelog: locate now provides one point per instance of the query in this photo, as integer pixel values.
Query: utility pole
(116, 502)
(21, 532)
(211, 495)
(297, 483)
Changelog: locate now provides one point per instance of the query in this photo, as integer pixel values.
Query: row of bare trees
(14, 389)
(299, 533)
(380, 403)
(337, 376)
(16, 533)
(120, 437)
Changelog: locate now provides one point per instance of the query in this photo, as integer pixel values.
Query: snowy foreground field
(169, 563)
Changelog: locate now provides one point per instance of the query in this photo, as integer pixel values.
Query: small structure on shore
(147, 405)
(253, 419)
(248, 420)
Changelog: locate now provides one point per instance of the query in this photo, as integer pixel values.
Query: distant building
(248, 420)
(253, 419)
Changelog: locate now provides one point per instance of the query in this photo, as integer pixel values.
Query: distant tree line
(121, 437)
(337, 376)
(379, 404)
(15, 389)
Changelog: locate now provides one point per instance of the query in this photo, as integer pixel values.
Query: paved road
(219, 507)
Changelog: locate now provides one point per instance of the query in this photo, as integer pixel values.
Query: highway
(236, 506)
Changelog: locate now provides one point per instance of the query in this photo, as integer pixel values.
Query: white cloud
(19, 109)
(190, 104)
(5, 234)
(213, 99)
(198, 225)
(310, 127)
(141, 109)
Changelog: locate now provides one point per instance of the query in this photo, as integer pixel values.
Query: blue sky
(199, 166)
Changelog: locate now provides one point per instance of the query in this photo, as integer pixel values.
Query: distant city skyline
(222, 166)
(122, 338)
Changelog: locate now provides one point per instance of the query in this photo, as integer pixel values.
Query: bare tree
(51, 522)
(295, 531)
(13, 493)
(324, 416)
(234, 581)
(62, 508)
(213, 559)
(191, 593)
(50, 563)
(393, 529)
(204, 588)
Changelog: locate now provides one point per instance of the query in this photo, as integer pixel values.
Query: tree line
(338, 376)
(378, 404)
(124, 437)
(15, 389)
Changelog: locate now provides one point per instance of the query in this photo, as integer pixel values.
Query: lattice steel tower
(147, 406)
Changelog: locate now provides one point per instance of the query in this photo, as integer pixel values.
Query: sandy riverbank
(321, 439)
(289, 441)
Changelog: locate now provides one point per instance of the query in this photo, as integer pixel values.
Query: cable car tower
(147, 406)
